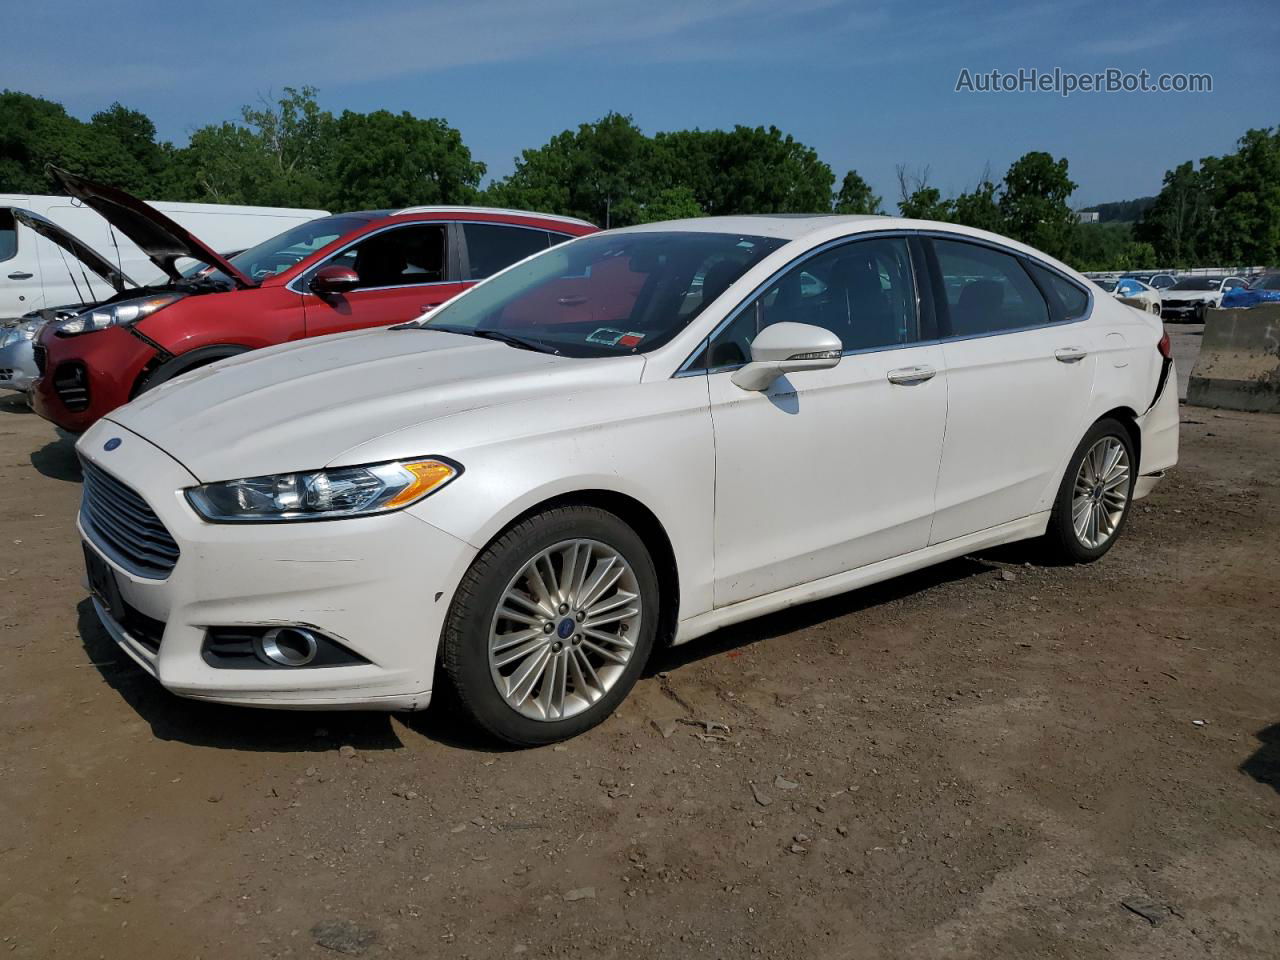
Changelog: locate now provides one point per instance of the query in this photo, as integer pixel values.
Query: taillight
(1166, 350)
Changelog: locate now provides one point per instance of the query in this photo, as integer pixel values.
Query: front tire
(552, 625)
(1095, 495)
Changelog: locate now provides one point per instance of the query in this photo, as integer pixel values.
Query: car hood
(162, 240)
(90, 257)
(301, 405)
(1191, 294)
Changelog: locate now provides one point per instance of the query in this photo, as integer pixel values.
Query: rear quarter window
(1067, 300)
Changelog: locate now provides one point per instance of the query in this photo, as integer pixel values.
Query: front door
(827, 470)
(404, 272)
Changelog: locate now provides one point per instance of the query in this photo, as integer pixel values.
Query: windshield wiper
(510, 339)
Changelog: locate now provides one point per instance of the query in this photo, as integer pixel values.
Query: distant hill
(1121, 211)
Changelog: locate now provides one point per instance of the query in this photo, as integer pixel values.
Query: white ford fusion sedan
(627, 440)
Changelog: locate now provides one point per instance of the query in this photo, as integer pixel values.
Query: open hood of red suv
(162, 240)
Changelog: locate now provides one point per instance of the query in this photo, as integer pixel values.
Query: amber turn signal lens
(427, 475)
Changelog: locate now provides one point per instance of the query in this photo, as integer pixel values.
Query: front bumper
(1182, 309)
(17, 366)
(379, 585)
(110, 360)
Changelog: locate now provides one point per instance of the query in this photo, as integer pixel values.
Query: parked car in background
(18, 369)
(633, 438)
(1264, 288)
(1190, 297)
(1159, 281)
(1138, 294)
(361, 269)
(33, 274)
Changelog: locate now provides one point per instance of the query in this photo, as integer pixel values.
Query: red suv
(366, 269)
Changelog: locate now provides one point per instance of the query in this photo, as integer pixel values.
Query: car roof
(455, 211)
(785, 226)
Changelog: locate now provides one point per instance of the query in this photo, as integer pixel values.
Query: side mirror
(787, 348)
(331, 280)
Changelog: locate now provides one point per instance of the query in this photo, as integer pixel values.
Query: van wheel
(552, 625)
(1094, 496)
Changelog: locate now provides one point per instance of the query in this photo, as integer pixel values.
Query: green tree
(979, 208)
(1244, 194)
(744, 170)
(35, 132)
(856, 196)
(925, 203)
(383, 159)
(601, 172)
(673, 203)
(1034, 204)
(1176, 223)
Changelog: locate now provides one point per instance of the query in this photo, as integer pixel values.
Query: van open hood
(90, 257)
(162, 240)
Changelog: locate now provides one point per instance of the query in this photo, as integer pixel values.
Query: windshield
(606, 294)
(1107, 285)
(1198, 283)
(284, 250)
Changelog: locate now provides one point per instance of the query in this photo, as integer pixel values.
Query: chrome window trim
(685, 370)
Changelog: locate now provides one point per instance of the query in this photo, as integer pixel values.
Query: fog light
(289, 646)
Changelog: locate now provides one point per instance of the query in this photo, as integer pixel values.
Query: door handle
(1070, 354)
(20, 275)
(907, 376)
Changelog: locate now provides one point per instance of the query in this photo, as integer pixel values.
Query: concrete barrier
(1239, 363)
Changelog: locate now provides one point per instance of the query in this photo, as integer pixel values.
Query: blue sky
(869, 85)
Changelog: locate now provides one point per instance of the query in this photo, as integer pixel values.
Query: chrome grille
(123, 524)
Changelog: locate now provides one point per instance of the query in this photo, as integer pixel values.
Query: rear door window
(987, 291)
(494, 246)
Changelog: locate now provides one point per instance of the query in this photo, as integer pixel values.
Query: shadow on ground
(1264, 765)
(242, 728)
(57, 459)
(224, 727)
(810, 614)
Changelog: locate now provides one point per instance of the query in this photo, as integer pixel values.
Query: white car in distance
(631, 439)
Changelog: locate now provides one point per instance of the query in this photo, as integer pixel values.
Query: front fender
(650, 442)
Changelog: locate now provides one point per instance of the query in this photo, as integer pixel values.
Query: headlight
(323, 494)
(115, 314)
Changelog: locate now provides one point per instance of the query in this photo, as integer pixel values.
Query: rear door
(1020, 372)
(490, 247)
(404, 271)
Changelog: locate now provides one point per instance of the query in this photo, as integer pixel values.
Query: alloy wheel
(564, 629)
(1101, 492)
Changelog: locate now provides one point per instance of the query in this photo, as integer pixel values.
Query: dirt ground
(985, 760)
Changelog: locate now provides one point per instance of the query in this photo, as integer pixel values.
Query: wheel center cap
(565, 630)
(1097, 492)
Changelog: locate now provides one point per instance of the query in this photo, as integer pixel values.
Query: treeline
(290, 152)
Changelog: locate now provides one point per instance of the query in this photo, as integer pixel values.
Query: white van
(35, 273)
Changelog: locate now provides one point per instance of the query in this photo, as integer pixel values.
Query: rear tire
(525, 663)
(1095, 495)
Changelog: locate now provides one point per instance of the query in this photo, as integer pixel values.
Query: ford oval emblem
(111, 444)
